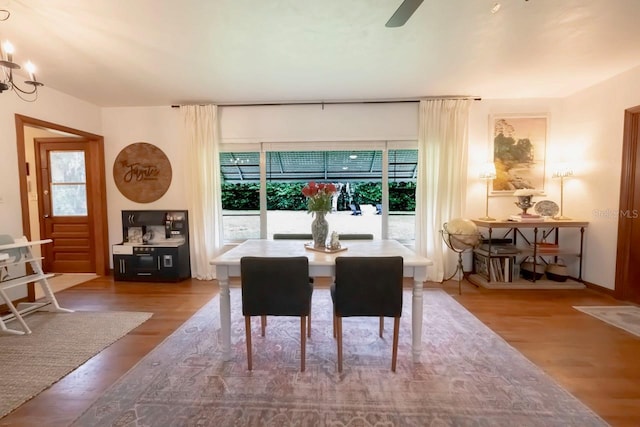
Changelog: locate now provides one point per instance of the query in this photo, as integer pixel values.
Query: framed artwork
(519, 145)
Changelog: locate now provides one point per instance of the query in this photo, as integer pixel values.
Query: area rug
(625, 317)
(59, 343)
(468, 376)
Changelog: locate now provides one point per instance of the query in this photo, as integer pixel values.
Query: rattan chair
(367, 286)
(276, 286)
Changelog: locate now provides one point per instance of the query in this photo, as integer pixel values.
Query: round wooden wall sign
(142, 172)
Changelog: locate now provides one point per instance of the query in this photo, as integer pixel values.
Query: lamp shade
(488, 171)
(562, 170)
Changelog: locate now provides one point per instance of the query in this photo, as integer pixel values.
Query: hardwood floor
(596, 362)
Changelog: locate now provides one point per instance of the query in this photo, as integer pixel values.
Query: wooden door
(64, 204)
(628, 255)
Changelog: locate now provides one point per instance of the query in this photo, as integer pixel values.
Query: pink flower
(319, 196)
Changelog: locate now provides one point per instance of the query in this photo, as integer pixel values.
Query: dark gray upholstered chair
(355, 236)
(367, 286)
(303, 236)
(292, 236)
(276, 286)
(295, 236)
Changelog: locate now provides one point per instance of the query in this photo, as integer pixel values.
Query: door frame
(98, 204)
(628, 179)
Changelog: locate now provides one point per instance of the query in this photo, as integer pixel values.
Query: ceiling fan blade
(404, 12)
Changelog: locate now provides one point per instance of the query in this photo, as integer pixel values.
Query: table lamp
(562, 171)
(488, 173)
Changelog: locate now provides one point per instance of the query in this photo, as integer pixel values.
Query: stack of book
(527, 217)
(543, 247)
(500, 270)
(498, 247)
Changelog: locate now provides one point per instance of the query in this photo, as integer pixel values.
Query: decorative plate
(546, 208)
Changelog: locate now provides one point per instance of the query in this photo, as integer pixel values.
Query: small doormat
(625, 317)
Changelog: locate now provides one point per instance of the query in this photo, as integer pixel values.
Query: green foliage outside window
(288, 196)
(285, 196)
(402, 196)
(238, 197)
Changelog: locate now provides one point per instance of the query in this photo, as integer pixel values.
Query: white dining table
(320, 265)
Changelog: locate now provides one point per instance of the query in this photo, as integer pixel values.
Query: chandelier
(7, 66)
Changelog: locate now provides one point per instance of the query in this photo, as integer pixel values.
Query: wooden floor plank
(595, 361)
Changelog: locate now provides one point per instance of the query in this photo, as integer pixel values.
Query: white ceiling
(160, 52)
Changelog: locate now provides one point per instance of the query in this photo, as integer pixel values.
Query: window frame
(362, 145)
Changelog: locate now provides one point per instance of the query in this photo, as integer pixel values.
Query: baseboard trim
(601, 289)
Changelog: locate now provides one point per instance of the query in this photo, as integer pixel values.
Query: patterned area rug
(468, 376)
(59, 343)
(625, 317)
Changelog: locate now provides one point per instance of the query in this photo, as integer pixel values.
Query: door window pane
(68, 183)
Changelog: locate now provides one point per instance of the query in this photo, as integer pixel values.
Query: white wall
(592, 138)
(317, 123)
(159, 126)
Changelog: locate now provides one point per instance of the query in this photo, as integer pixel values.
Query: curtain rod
(323, 103)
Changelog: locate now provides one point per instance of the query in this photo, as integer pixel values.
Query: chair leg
(247, 331)
(303, 342)
(335, 320)
(309, 322)
(381, 325)
(263, 323)
(394, 355)
(338, 323)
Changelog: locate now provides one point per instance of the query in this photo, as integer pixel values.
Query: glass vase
(319, 229)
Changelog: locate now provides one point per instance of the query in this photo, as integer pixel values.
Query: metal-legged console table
(542, 230)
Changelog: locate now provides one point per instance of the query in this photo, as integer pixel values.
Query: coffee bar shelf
(154, 247)
(535, 244)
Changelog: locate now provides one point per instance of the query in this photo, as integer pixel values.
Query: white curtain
(442, 176)
(201, 134)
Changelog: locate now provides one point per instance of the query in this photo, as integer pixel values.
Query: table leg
(225, 313)
(416, 319)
